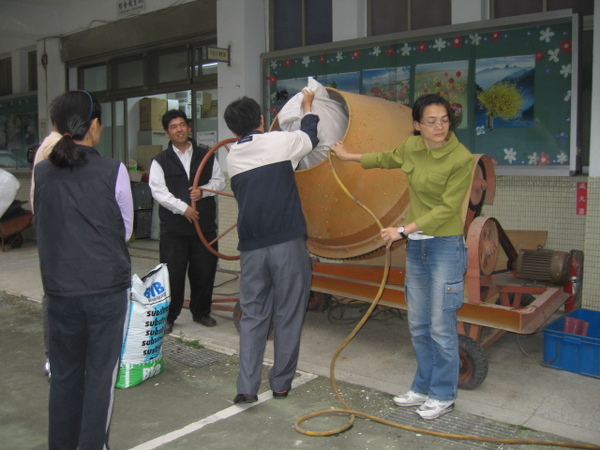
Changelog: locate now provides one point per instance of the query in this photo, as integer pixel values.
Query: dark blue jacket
(80, 229)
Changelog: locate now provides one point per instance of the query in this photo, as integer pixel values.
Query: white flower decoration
(339, 56)
(475, 38)
(510, 155)
(562, 158)
(567, 96)
(273, 64)
(406, 49)
(533, 159)
(273, 96)
(440, 44)
(306, 61)
(480, 130)
(566, 70)
(546, 34)
(553, 55)
(376, 51)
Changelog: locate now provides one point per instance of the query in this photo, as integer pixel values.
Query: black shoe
(243, 398)
(205, 320)
(168, 327)
(282, 394)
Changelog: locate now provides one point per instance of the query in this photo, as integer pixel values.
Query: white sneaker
(411, 398)
(432, 409)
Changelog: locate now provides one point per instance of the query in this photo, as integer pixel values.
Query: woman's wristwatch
(401, 233)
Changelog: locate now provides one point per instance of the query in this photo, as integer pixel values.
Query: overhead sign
(218, 54)
(125, 7)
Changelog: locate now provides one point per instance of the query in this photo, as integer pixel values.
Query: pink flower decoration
(422, 47)
(287, 63)
(390, 51)
(272, 79)
(544, 159)
(355, 54)
(540, 55)
(322, 59)
(457, 41)
(495, 36)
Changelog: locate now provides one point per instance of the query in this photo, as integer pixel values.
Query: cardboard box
(151, 112)
(213, 111)
(145, 153)
(205, 103)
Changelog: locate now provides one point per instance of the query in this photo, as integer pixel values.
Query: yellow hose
(353, 413)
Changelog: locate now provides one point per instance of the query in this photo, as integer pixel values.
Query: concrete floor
(519, 395)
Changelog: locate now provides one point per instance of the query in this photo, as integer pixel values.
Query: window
(296, 23)
(403, 15)
(129, 73)
(507, 8)
(94, 78)
(432, 13)
(173, 65)
(201, 67)
(388, 17)
(5, 76)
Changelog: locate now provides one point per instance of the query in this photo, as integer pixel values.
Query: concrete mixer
(349, 254)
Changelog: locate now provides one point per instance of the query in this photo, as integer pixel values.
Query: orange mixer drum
(338, 228)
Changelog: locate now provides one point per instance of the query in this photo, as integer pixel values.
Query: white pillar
(243, 26)
(51, 80)
(349, 19)
(470, 11)
(595, 100)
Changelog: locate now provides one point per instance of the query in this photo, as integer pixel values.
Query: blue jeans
(434, 292)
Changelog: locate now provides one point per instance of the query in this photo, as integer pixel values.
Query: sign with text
(582, 189)
(208, 138)
(217, 54)
(126, 7)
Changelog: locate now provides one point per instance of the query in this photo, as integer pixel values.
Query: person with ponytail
(83, 220)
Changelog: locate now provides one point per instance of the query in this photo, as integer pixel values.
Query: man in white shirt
(172, 175)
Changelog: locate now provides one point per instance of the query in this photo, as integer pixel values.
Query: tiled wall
(549, 203)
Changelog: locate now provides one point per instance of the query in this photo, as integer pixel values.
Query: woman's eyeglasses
(441, 124)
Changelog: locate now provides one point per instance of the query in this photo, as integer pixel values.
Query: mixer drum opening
(338, 228)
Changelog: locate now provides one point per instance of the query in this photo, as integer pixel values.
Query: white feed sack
(141, 354)
(333, 121)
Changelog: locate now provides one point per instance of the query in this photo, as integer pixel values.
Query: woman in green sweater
(438, 169)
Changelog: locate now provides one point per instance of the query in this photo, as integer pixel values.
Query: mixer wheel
(473, 363)
(318, 301)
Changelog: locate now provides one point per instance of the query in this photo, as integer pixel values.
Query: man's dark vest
(179, 185)
(79, 228)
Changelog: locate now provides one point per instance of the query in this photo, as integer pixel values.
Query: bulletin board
(512, 82)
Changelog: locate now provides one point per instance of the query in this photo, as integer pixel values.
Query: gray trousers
(274, 285)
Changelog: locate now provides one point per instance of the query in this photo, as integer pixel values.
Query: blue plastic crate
(566, 351)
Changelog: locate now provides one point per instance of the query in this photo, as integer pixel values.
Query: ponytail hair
(72, 114)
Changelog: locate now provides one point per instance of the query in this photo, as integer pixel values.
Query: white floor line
(223, 414)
